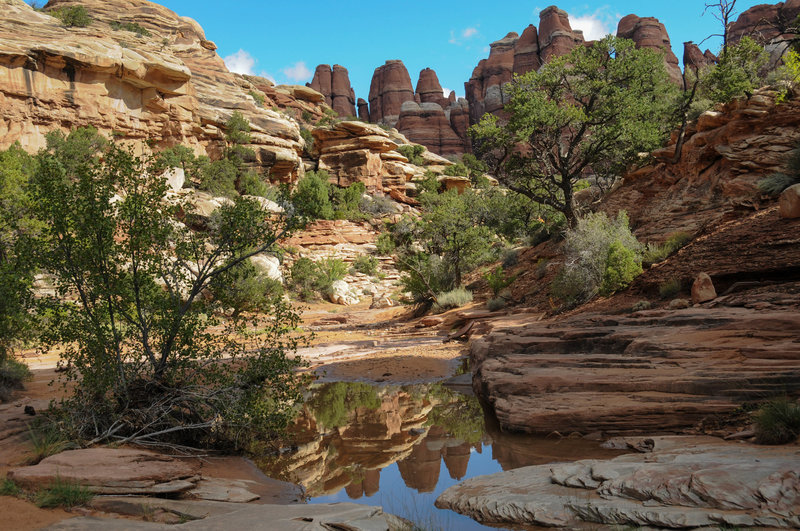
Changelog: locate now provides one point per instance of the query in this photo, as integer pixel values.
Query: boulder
(268, 265)
(175, 178)
(789, 202)
(112, 471)
(703, 289)
(342, 293)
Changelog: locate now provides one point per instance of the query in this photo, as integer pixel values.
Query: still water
(400, 447)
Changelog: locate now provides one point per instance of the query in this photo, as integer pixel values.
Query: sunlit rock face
(169, 87)
(334, 83)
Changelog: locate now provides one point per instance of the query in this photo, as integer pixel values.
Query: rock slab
(683, 485)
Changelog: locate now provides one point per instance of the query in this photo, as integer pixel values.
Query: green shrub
(670, 288)
(257, 96)
(601, 256)
(737, 72)
(12, 374)
(376, 205)
(73, 16)
(332, 403)
(622, 266)
(367, 265)
(778, 421)
(498, 280)
(772, 185)
(457, 170)
(641, 305)
(306, 117)
(384, 245)
(429, 184)
(303, 277)
(495, 304)
(329, 271)
(308, 137)
(452, 299)
(251, 183)
(346, 201)
(133, 27)
(47, 440)
(413, 153)
(311, 197)
(245, 289)
(9, 488)
(656, 253)
(63, 493)
(510, 257)
(219, 178)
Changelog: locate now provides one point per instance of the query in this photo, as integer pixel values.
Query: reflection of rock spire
(368, 485)
(456, 458)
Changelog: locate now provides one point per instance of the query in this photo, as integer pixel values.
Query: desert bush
(9, 488)
(311, 197)
(384, 245)
(329, 271)
(12, 374)
(495, 304)
(429, 183)
(457, 170)
(454, 298)
(655, 253)
(510, 257)
(63, 493)
(670, 288)
(413, 153)
(73, 16)
(601, 256)
(376, 205)
(245, 289)
(367, 265)
(776, 183)
(346, 201)
(737, 72)
(778, 421)
(498, 280)
(308, 137)
(219, 178)
(311, 278)
(133, 27)
(641, 305)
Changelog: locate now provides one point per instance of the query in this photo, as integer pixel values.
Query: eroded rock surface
(334, 84)
(687, 484)
(170, 87)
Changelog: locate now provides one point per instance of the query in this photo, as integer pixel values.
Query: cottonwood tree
(151, 360)
(591, 112)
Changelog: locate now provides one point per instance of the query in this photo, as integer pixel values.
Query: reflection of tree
(459, 415)
(333, 402)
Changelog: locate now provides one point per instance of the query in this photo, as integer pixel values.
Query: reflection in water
(400, 447)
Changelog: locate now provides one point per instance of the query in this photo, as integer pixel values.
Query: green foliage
(461, 416)
(308, 137)
(623, 264)
(332, 403)
(250, 183)
(141, 343)
(457, 170)
(788, 75)
(63, 493)
(384, 245)
(311, 197)
(778, 421)
(133, 27)
(413, 152)
(306, 117)
(654, 253)
(367, 265)
(775, 183)
(737, 72)
(376, 206)
(310, 278)
(219, 178)
(9, 488)
(245, 289)
(641, 305)
(600, 256)
(670, 288)
(429, 183)
(598, 107)
(72, 16)
(12, 374)
(258, 97)
(47, 440)
(19, 229)
(346, 201)
(498, 280)
(455, 298)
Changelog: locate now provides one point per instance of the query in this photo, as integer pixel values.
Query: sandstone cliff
(334, 83)
(169, 87)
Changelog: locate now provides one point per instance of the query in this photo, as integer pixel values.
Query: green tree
(143, 347)
(592, 111)
(737, 73)
(312, 196)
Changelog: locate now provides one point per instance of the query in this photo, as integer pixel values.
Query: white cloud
(297, 72)
(469, 32)
(595, 26)
(465, 34)
(240, 62)
(446, 91)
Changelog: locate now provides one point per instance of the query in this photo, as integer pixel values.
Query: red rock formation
(648, 32)
(556, 37)
(526, 51)
(334, 83)
(484, 90)
(765, 22)
(427, 124)
(695, 59)
(363, 110)
(390, 88)
(429, 90)
(459, 121)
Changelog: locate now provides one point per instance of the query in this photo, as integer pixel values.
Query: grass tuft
(778, 421)
(65, 494)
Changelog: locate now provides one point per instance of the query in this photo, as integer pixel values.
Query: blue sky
(286, 40)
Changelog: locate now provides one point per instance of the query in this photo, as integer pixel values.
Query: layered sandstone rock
(390, 88)
(690, 483)
(427, 124)
(765, 22)
(170, 87)
(648, 32)
(429, 90)
(526, 51)
(726, 152)
(334, 84)
(556, 36)
(484, 90)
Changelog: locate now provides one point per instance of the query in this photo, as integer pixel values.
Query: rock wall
(334, 84)
(694, 59)
(170, 87)
(765, 22)
(390, 88)
(648, 32)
